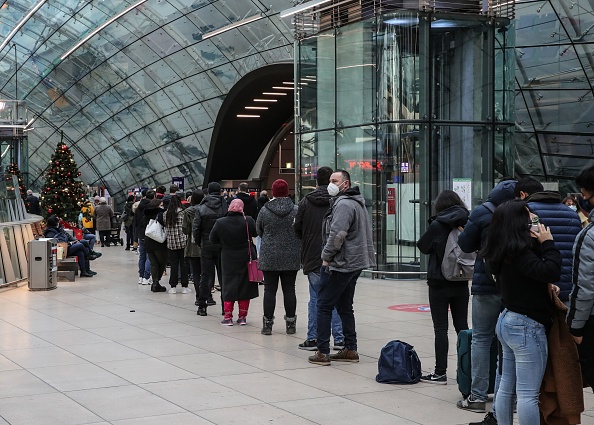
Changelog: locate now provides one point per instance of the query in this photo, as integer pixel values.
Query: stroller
(114, 234)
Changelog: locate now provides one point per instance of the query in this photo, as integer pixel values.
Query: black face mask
(584, 205)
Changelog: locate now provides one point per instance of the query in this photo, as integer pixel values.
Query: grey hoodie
(280, 248)
(346, 233)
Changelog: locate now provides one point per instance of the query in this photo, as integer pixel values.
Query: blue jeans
(144, 264)
(525, 351)
(312, 311)
(485, 312)
(337, 290)
(91, 238)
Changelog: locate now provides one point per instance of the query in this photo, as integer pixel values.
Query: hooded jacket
(250, 205)
(192, 249)
(565, 225)
(475, 234)
(308, 227)
(140, 221)
(210, 209)
(280, 247)
(346, 234)
(433, 242)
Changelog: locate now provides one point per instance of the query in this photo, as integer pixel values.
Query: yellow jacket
(89, 210)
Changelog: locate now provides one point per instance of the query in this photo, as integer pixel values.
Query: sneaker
(140, 279)
(488, 420)
(218, 287)
(435, 379)
(320, 359)
(172, 290)
(227, 322)
(211, 301)
(338, 345)
(147, 282)
(309, 345)
(96, 254)
(345, 355)
(242, 321)
(471, 405)
(186, 290)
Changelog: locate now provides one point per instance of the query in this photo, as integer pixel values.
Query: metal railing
(389, 273)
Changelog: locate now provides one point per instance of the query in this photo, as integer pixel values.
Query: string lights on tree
(13, 170)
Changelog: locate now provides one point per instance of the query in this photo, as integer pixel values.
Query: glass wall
(410, 104)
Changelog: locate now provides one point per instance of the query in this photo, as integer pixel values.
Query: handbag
(254, 274)
(155, 231)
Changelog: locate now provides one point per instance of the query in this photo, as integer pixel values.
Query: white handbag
(155, 231)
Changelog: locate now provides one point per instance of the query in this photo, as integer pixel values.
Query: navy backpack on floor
(398, 364)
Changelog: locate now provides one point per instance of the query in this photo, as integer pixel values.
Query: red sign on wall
(391, 201)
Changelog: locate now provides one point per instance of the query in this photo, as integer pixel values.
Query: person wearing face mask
(347, 250)
(574, 205)
(580, 316)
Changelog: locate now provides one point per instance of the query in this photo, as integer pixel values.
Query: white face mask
(572, 207)
(333, 189)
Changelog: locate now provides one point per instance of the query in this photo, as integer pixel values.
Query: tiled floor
(106, 350)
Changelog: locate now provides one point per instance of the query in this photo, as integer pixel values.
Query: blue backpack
(398, 364)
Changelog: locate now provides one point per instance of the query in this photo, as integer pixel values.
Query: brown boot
(345, 355)
(320, 359)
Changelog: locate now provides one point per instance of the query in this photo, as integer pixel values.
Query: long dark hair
(174, 205)
(509, 232)
(197, 197)
(446, 199)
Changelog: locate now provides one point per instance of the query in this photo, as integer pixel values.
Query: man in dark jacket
(486, 299)
(144, 264)
(172, 192)
(250, 205)
(560, 219)
(308, 228)
(33, 203)
(212, 207)
(262, 199)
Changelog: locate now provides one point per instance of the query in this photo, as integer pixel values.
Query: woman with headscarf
(234, 233)
(103, 217)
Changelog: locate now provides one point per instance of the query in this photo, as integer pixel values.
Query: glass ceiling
(138, 100)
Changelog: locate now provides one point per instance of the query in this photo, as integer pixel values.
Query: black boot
(201, 311)
(156, 287)
(267, 325)
(291, 323)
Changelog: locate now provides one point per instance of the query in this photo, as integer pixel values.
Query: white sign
(463, 187)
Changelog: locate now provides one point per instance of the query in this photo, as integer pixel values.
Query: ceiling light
(288, 82)
(309, 79)
(232, 25)
(256, 107)
(283, 88)
(247, 116)
(100, 27)
(265, 100)
(274, 94)
(301, 8)
(21, 23)
(355, 66)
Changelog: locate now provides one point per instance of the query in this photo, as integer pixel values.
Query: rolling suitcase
(463, 373)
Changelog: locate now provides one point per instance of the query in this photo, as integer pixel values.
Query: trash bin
(43, 264)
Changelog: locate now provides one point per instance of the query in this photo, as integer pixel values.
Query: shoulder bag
(155, 231)
(254, 274)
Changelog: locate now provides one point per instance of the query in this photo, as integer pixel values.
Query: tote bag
(254, 273)
(155, 231)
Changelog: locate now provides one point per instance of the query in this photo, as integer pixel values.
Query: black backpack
(398, 364)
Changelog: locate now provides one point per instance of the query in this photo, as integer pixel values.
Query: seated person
(75, 247)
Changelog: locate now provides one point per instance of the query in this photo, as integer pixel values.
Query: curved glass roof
(137, 101)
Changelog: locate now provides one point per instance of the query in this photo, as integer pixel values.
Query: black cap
(214, 188)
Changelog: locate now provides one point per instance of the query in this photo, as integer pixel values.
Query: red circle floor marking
(415, 308)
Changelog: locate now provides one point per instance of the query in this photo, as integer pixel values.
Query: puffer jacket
(210, 209)
(565, 225)
(433, 242)
(280, 247)
(346, 234)
(475, 234)
(308, 227)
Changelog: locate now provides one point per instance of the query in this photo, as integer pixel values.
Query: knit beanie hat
(214, 188)
(280, 189)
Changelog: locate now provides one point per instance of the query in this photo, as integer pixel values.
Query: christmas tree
(13, 170)
(62, 192)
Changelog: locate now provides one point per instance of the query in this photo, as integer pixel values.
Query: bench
(68, 268)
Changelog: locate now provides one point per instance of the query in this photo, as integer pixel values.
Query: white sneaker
(146, 281)
(140, 279)
(172, 290)
(186, 291)
(150, 279)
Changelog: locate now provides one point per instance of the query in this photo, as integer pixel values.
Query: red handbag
(254, 274)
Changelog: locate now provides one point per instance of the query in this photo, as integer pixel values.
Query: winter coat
(103, 216)
(192, 249)
(33, 204)
(308, 227)
(475, 234)
(280, 248)
(210, 209)
(250, 205)
(346, 233)
(262, 200)
(151, 244)
(231, 234)
(59, 234)
(129, 214)
(433, 242)
(89, 210)
(564, 225)
(140, 220)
